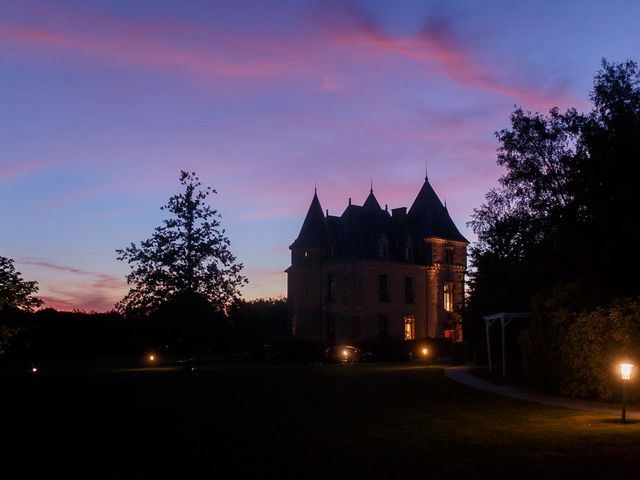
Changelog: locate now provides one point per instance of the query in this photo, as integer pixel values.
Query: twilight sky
(104, 102)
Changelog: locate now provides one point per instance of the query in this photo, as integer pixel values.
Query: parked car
(346, 354)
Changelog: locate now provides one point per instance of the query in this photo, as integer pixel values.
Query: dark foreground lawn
(373, 421)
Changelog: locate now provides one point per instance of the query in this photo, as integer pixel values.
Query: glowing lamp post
(625, 375)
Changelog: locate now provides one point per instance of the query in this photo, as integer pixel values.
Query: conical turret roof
(314, 229)
(428, 217)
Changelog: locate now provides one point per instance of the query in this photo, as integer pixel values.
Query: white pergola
(505, 319)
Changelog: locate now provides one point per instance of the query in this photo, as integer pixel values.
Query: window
(449, 334)
(331, 288)
(408, 290)
(383, 327)
(409, 328)
(448, 297)
(306, 253)
(382, 250)
(448, 256)
(407, 252)
(331, 327)
(383, 288)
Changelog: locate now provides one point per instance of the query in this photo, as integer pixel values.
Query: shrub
(576, 353)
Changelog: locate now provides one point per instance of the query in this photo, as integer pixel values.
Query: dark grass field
(373, 421)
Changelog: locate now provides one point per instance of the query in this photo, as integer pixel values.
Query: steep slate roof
(314, 228)
(427, 216)
(371, 201)
(355, 234)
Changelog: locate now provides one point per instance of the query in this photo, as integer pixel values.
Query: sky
(103, 103)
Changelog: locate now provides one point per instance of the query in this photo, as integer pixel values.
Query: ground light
(424, 351)
(625, 375)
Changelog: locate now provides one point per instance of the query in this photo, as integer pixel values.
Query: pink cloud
(10, 171)
(264, 282)
(68, 287)
(438, 47)
(156, 46)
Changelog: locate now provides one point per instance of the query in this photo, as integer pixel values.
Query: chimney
(399, 212)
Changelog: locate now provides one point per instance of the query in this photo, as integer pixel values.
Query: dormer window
(306, 254)
(382, 250)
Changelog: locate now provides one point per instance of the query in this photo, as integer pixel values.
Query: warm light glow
(425, 351)
(625, 370)
(152, 358)
(34, 369)
(345, 353)
(409, 328)
(448, 297)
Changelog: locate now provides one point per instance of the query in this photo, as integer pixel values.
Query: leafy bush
(577, 353)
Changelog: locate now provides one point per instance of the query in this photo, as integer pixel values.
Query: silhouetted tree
(187, 255)
(16, 296)
(566, 204)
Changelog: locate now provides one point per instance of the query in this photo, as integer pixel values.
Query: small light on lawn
(34, 369)
(425, 351)
(152, 357)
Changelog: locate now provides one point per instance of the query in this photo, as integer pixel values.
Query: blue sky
(104, 102)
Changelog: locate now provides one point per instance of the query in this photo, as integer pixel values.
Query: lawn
(374, 421)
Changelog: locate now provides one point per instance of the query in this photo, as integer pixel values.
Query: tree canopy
(565, 208)
(16, 297)
(16, 293)
(188, 254)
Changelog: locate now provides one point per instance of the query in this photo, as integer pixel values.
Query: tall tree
(188, 255)
(16, 296)
(566, 203)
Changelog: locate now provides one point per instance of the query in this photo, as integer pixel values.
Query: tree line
(184, 293)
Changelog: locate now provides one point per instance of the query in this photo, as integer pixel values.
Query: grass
(369, 421)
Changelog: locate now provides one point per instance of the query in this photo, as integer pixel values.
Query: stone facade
(373, 275)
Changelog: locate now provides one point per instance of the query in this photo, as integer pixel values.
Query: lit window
(409, 328)
(448, 297)
(306, 253)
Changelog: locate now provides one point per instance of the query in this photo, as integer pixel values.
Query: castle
(371, 274)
